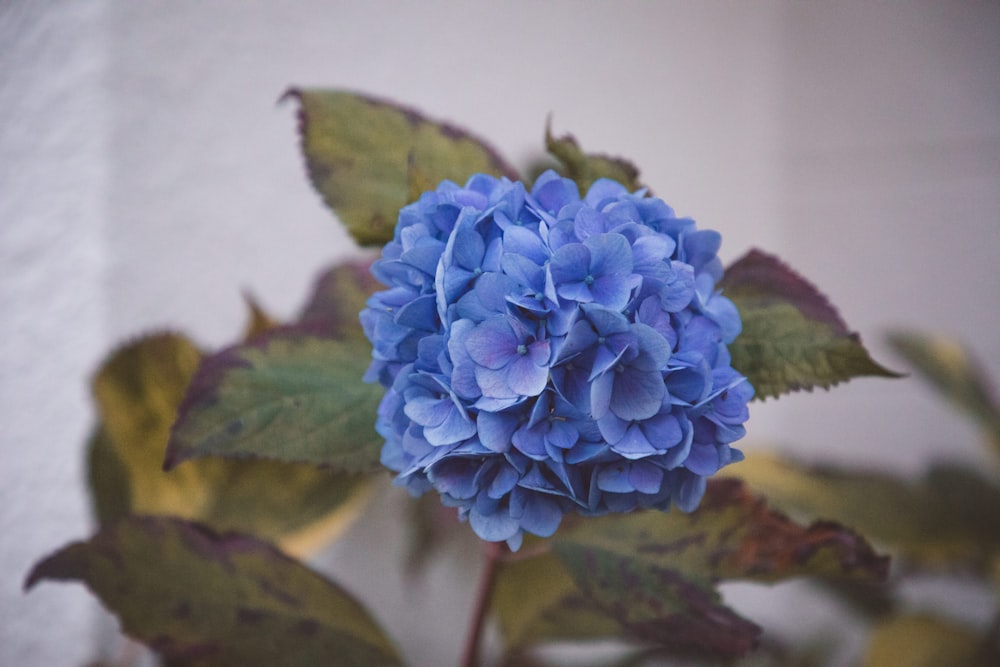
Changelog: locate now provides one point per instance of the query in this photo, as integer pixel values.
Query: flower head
(546, 353)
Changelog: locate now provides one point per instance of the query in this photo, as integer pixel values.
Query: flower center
(589, 280)
(522, 349)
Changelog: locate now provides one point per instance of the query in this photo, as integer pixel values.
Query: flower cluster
(546, 353)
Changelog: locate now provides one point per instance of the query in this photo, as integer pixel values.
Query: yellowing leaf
(368, 158)
(924, 641)
(138, 391)
(202, 598)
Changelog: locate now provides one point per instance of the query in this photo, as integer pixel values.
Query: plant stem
(470, 655)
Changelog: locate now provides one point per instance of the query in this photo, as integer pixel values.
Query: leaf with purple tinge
(202, 598)
(369, 157)
(949, 519)
(792, 337)
(585, 168)
(650, 576)
(338, 295)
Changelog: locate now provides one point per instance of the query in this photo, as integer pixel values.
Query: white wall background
(147, 177)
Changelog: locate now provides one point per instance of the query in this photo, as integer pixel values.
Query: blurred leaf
(107, 478)
(368, 157)
(952, 370)
(285, 396)
(536, 600)
(585, 168)
(792, 337)
(949, 518)
(202, 598)
(654, 604)
(138, 390)
(430, 524)
(259, 321)
(338, 296)
(653, 574)
(924, 641)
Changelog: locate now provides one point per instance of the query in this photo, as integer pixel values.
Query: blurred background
(148, 176)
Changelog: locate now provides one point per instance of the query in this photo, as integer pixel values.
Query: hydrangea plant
(557, 352)
(546, 353)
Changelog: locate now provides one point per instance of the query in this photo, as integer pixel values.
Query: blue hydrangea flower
(546, 353)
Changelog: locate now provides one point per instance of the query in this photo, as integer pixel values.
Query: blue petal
(496, 429)
(645, 477)
(493, 343)
(541, 515)
(495, 527)
(637, 395)
(456, 427)
(634, 444)
(614, 479)
(688, 493)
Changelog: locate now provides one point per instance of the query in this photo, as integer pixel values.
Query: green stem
(470, 655)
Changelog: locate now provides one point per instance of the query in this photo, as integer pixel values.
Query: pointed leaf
(259, 321)
(585, 168)
(368, 157)
(286, 396)
(653, 574)
(949, 518)
(138, 390)
(792, 337)
(957, 375)
(200, 597)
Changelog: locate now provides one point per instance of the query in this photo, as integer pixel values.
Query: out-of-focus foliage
(200, 598)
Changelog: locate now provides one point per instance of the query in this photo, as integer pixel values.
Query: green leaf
(202, 598)
(285, 396)
(792, 337)
(653, 574)
(138, 390)
(368, 157)
(948, 519)
(585, 168)
(952, 370)
(926, 641)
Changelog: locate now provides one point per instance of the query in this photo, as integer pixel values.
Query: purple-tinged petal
(456, 427)
(541, 516)
(636, 395)
(493, 343)
(496, 527)
(496, 429)
(614, 479)
(645, 477)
